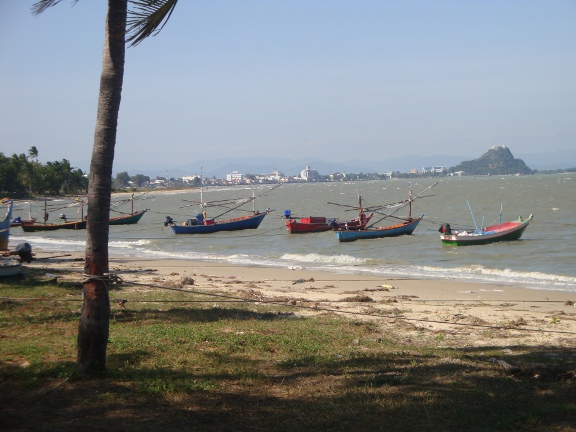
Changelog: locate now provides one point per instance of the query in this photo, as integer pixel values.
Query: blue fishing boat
(404, 228)
(209, 226)
(202, 225)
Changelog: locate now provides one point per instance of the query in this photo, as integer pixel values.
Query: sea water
(544, 258)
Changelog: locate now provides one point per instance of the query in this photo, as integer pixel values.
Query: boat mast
(410, 200)
(201, 188)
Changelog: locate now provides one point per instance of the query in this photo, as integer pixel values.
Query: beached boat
(10, 267)
(208, 226)
(313, 224)
(5, 225)
(504, 231)
(406, 227)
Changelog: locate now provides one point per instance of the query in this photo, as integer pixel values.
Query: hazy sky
(333, 79)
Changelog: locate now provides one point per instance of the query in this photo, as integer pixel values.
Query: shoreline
(472, 313)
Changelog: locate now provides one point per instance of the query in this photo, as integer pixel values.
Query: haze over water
(543, 258)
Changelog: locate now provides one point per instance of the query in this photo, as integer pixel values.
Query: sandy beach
(455, 313)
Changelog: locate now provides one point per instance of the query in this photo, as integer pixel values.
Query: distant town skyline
(334, 81)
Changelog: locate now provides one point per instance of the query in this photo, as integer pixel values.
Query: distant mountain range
(559, 159)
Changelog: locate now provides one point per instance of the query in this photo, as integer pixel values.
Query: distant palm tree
(144, 18)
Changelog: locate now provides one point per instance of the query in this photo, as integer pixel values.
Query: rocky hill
(496, 161)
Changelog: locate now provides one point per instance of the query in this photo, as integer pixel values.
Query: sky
(328, 79)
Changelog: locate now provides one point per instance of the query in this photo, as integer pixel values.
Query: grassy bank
(178, 361)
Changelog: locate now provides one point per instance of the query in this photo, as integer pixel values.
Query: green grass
(181, 364)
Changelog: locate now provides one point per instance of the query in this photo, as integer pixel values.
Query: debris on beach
(302, 281)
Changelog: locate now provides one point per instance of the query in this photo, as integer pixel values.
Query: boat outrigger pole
(472, 214)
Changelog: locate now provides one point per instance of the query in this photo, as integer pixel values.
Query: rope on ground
(315, 308)
(122, 302)
(107, 278)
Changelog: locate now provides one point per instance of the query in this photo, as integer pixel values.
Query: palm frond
(41, 5)
(147, 18)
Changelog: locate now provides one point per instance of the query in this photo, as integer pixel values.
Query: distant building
(309, 174)
(275, 176)
(189, 179)
(235, 177)
(434, 170)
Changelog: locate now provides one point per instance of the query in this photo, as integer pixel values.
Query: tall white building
(309, 174)
(235, 177)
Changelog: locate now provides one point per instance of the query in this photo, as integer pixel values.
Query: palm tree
(143, 19)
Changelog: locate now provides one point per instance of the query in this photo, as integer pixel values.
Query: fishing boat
(127, 219)
(203, 225)
(123, 219)
(5, 225)
(76, 224)
(208, 226)
(18, 221)
(69, 225)
(502, 231)
(406, 226)
(312, 224)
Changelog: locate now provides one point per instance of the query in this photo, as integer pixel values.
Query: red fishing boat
(502, 231)
(313, 224)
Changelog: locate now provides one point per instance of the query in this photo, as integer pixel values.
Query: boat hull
(11, 269)
(132, 218)
(77, 225)
(308, 225)
(236, 224)
(508, 231)
(5, 228)
(405, 228)
(14, 224)
(321, 224)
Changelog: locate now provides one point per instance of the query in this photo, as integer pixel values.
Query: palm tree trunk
(95, 315)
